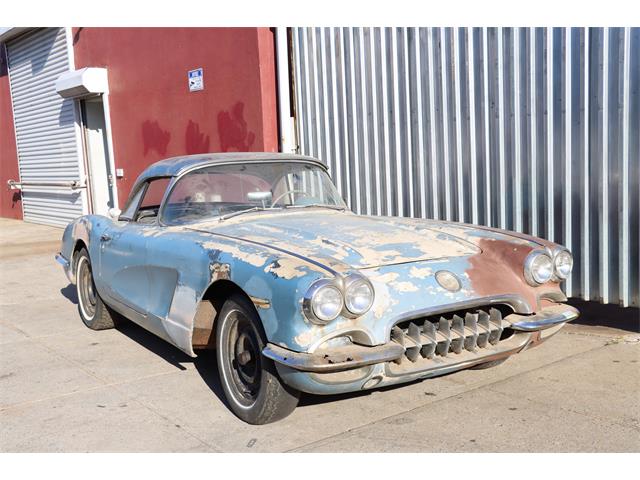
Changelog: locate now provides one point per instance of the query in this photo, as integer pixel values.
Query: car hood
(342, 240)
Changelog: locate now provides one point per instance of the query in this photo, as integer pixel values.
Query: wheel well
(207, 312)
(77, 247)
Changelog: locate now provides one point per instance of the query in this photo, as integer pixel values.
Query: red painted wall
(153, 114)
(10, 200)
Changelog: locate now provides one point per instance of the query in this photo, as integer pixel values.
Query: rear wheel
(93, 312)
(251, 384)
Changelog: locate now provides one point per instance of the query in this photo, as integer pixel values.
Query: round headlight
(358, 296)
(563, 264)
(327, 302)
(538, 268)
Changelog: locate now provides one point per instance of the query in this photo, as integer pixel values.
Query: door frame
(83, 164)
(95, 175)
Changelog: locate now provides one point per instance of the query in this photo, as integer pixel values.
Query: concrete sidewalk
(65, 388)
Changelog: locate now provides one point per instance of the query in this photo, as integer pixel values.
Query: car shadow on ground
(153, 343)
(205, 363)
(607, 315)
(308, 399)
(207, 366)
(70, 293)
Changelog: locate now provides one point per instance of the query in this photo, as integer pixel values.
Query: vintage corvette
(256, 256)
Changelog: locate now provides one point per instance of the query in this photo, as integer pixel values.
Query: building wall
(153, 114)
(10, 203)
(534, 130)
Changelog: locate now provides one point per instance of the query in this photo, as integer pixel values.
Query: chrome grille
(449, 334)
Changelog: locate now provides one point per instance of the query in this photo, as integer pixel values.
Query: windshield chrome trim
(186, 171)
(222, 218)
(317, 205)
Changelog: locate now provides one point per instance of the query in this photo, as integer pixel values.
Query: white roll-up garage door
(45, 127)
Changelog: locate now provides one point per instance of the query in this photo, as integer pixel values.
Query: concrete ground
(65, 388)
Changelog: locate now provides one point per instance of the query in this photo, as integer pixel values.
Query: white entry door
(99, 176)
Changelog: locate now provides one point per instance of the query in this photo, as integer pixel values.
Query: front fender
(275, 281)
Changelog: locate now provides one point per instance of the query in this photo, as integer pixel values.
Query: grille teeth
(445, 331)
(397, 335)
(485, 328)
(476, 330)
(496, 320)
(413, 352)
(429, 348)
(471, 331)
(457, 328)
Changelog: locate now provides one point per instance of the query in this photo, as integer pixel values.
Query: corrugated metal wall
(535, 130)
(45, 126)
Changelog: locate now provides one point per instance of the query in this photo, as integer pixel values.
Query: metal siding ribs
(516, 128)
(44, 127)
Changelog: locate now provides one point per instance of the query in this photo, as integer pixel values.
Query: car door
(123, 249)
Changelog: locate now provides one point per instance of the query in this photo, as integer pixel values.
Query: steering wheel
(273, 202)
(146, 214)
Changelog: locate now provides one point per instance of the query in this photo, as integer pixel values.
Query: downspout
(288, 143)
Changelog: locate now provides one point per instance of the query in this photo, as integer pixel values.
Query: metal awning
(7, 33)
(85, 82)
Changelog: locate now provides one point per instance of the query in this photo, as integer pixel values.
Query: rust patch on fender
(260, 302)
(499, 269)
(219, 271)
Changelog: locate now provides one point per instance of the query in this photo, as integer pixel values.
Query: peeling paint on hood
(344, 240)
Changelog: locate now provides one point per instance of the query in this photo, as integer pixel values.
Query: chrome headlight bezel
(311, 294)
(342, 285)
(556, 271)
(350, 283)
(529, 265)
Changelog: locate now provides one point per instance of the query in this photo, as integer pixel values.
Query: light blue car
(256, 256)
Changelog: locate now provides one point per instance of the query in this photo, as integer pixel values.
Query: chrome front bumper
(546, 318)
(356, 356)
(334, 360)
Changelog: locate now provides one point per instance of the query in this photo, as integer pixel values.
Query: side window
(155, 191)
(144, 205)
(132, 205)
(150, 204)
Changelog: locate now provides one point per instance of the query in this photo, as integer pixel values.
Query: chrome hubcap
(86, 289)
(244, 357)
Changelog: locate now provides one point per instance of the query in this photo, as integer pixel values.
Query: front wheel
(251, 384)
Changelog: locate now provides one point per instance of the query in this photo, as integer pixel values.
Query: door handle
(105, 237)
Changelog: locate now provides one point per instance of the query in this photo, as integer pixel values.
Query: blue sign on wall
(196, 80)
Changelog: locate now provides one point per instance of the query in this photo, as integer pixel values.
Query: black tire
(93, 312)
(483, 366)
(250, 382)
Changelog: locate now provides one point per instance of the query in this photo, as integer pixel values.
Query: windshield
(227, 190)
